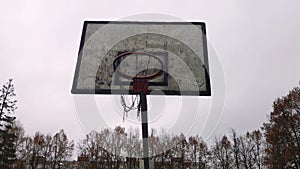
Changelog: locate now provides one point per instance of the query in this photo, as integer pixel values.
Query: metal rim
(127, 76)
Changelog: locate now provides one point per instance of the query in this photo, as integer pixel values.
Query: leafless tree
(62, 149)
(222, 154)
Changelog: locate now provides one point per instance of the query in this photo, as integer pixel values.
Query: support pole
(143, 101)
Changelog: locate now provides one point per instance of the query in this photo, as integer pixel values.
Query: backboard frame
(207, 92)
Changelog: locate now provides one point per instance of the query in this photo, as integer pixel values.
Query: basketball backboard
(178, 49)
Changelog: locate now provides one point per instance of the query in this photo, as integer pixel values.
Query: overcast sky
(257, 44)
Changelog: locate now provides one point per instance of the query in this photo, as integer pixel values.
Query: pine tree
(7, 136)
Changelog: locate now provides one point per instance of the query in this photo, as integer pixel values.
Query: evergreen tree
(7, 136)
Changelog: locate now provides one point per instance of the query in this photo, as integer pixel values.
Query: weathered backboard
(180, 48)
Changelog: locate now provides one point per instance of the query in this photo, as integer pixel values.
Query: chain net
(133, 104)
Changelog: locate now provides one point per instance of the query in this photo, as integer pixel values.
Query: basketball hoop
(140, 82)
(139, 79)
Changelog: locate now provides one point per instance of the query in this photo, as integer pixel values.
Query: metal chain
(135, 104)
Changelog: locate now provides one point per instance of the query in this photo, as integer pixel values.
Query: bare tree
(118, 142)
(93, 147)
(165, 148)
(247, 148)
(222, 154)
(236, 149)
(62, 149)
(46, 150)
(132, 148)
(257, 139)
(203, 154)
(193, 149)
(35, 149)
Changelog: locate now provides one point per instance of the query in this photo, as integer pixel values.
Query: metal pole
(143, 100)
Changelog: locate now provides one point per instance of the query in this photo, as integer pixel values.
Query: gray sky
(257, 43)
